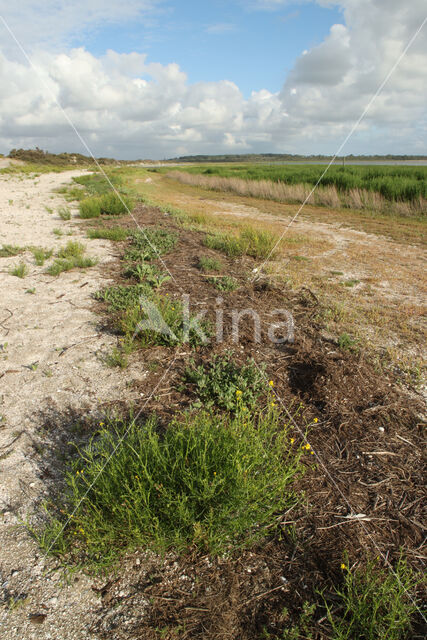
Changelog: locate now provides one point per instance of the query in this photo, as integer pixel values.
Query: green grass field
(393, 183)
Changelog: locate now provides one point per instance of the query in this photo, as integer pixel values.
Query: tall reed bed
(327, 195)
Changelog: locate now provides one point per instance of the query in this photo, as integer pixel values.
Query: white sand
(51, 360)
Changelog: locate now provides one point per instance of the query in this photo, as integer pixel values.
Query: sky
(163, 78)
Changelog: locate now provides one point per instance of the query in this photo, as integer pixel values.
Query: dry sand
(51, 363)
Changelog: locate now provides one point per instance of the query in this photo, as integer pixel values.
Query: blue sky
(162, 78)
(219, 40)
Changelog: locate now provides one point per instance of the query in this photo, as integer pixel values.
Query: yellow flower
(307, 446)
(343, 566)
(238, 393)
(292, 440)
(214, 473)
(81, 530)
(271, 383)
(101, 424)
(316, 419)
(273, 404)
(312, 453)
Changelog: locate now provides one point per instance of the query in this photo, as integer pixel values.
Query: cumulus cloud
(128, 106)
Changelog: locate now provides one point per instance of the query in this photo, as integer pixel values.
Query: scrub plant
(218, 382)
(207, 482)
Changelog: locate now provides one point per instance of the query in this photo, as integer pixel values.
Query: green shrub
(90, 207)
(148, 273)
(208, 482)
(117, 358)
(259, 244)
(150, 243)
(167, 323)
(216, 383)
(120, 298)
(210, 264)
(373, 603)
(113, 204)
(229, 245)
(72, 250)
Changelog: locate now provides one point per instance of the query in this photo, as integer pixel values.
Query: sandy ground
(51, 362)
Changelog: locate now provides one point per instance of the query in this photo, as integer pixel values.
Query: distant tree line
(287, 157)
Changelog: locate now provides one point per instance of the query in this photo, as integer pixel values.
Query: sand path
(51, 363)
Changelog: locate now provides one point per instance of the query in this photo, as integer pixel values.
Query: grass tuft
(40, 255)
(64, 264)
(251, 242)
(9, 250)
(64, 213)
(108, 204)
(20, 270)
(115, 234)
(72, 249)
(70, 257)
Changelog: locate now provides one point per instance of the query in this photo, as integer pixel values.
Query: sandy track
(51, 363)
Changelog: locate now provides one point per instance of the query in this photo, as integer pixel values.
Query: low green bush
(207, 264)
(149, 243)
(119, 297)
(90, 207)
(159, 320)
(40, 255)
(207, 482)
(225, 283)
(216, 383)
(373, 603)
(114, 204)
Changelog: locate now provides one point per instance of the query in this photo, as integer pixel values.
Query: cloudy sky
(161, 78)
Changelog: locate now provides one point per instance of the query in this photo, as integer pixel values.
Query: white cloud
(220, 28)
(127, 106)
(50, 24)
